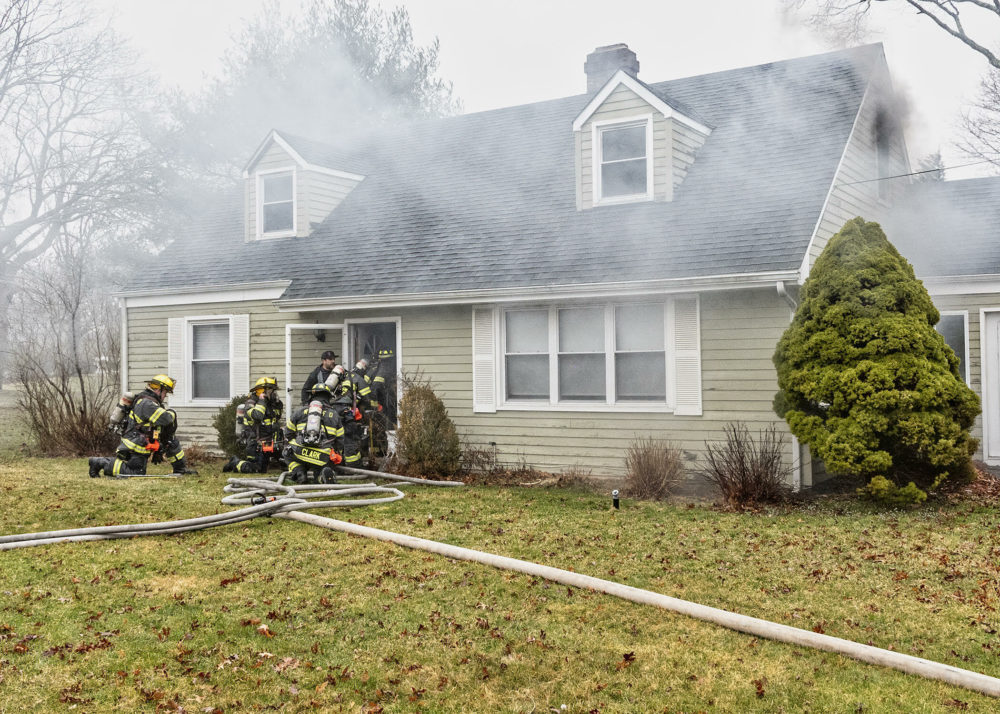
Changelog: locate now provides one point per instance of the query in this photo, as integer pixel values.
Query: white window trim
(259, 177)
(599, 126)
(964, 314)
(668, 405)
(185, 398)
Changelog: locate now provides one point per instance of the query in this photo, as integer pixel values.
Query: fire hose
(271, 497)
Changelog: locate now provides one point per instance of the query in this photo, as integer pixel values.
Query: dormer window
(277, 203)
(623, 166)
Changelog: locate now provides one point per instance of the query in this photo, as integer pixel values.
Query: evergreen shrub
(864, 378)
(224, 422)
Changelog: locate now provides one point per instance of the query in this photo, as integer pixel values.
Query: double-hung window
(210, 358)
(209, 355)
(276, 197)
(623, 164)
(597, 354)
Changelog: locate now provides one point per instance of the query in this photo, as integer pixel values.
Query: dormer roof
(307, 154)
(644, 91)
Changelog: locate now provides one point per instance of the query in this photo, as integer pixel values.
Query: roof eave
(711, 283)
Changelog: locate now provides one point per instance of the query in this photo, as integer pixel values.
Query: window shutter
(484, 338)
(239, 365)
(175, 356)
(687, 357)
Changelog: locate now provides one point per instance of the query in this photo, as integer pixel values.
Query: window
(603, 354)
(277, 202)
(640, 359)
(210, 360)
(526, 355)
(209, 355)
(954, 328)
(623, 160)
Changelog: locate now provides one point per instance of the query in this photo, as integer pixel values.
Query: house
(569, 274)
(950, 233)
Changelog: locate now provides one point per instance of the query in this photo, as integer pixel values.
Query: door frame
(989, 363)
(288, 345)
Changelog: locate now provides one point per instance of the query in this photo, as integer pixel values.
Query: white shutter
(484, 340)
(687, 356)
(239, 364)
(176, 327)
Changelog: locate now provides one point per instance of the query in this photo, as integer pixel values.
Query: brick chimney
(605, 61)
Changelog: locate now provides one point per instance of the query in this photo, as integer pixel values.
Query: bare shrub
(65, 344)
(652, 468)
(427, 443)
(747, 471)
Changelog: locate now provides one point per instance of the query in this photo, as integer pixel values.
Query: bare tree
(70, 144)
(975, 23)
(343, 66)
(65, 327)
(972, 22)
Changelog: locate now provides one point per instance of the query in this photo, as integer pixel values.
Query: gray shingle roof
(949, 227)
(488, 200)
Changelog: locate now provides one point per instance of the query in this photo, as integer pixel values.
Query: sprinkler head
(614, 497)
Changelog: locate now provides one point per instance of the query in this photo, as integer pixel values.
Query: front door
(368, 340)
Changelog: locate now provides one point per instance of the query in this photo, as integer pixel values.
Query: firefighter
(315, 438)
(261, 428)
(352, 400)
(385, 367)
(320, 374)
(149, 431)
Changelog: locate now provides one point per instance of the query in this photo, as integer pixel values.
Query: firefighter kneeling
(316, 439)
(258, 425)
(148, 431)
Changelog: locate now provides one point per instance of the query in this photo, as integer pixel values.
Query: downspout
(784, 293)
(796, 447)
(123, 366)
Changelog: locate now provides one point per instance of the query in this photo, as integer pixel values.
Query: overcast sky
(519, 51)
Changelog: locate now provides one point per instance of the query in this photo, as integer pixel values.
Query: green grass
(13, 429)
(162, 623)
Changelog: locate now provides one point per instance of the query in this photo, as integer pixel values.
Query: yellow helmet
(162, 381)
(265, 383)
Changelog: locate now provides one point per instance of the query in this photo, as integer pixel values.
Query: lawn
(275, 615)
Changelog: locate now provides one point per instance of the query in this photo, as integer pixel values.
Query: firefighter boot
(326, 475)
(180, 468)
(96, 463)
(230, 465)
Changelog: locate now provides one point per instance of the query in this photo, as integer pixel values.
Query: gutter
(545, 292)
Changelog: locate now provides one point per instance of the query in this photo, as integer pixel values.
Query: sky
(500, 54)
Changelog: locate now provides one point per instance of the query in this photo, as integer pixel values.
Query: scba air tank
(336, 374)
(314, 422)
(121, 409)
(241, 413)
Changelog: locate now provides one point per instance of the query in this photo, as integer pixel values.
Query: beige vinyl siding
(972, 304)
(686, 142)
(321, 193)
(854, 191)
(147, 352)
(317, 194)
(739, 332)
